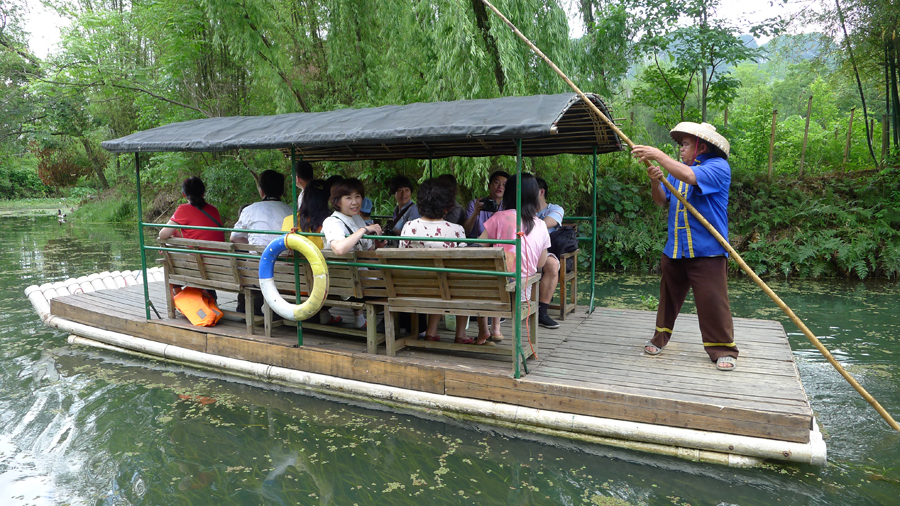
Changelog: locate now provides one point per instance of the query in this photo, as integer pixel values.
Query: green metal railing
(519, 353)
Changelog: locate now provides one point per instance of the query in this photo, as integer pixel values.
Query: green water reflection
(81, 426)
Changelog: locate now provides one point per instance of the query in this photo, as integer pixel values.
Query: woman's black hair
(436, 198)
(314, 208)
(345, 187)
(194, 189)
(529, 199)
(333, 179)
(450, 181)
(400, 182)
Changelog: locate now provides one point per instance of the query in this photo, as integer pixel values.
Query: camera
(388, 228)
(489, 205)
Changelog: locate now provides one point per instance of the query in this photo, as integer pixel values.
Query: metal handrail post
(140, 211)
(517, 312)
(593, 236)
(294, 255)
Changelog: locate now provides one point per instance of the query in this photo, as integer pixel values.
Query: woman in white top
(345, 227)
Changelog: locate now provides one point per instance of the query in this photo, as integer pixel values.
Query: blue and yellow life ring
(319, 291)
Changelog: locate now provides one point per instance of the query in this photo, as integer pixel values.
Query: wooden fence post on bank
(805, 134)
(849, 133)
(772, 142)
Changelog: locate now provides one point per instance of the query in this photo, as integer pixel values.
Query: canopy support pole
(140, 211)
(593, 235)
(295, 256)
(517, 313)
(430, 170)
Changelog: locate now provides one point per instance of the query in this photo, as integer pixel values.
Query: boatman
(693, 258)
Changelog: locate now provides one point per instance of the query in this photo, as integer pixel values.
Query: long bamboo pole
(734, 254)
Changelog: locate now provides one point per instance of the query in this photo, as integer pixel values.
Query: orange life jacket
(199, 308)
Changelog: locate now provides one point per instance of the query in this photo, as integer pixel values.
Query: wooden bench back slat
(446, 286)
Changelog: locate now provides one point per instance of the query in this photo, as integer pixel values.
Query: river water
(82, 426)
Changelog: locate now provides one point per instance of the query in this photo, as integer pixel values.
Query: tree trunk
(97, 162)
(862, 95)
(704, 90)
(587, 15)
(895, 100)
(484, 25)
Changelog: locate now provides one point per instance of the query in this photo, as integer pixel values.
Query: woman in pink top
(502, 225)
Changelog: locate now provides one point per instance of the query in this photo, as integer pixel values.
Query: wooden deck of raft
(592, 365)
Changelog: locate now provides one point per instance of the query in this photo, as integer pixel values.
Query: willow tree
(143, 63)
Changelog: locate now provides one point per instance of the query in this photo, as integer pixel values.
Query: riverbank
(37, 207)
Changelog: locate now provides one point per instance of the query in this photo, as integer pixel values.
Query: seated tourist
(366, 211)
(406, 209)
(196, 212)
(457, 214)
(304, 176)
(502, 225)
(552, 215)
(345, 228)
(268, 214)
(478, 211)
(312, 213)
(435, 199)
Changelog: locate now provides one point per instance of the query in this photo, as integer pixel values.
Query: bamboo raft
(591, 380)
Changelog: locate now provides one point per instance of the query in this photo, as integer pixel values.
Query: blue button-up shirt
(688, 238)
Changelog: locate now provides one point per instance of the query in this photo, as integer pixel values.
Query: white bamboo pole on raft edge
(652, 437)
(734, 254)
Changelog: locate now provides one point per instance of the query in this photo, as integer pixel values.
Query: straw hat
(704, 131)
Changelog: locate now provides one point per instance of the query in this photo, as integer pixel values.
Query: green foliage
(112, 208)
(821, 227)
(825, 227)
(697, 70)
(631, 230)
(19, 178)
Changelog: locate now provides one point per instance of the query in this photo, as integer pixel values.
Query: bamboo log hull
(696, 445)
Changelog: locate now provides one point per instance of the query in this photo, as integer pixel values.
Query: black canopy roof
(547, 125)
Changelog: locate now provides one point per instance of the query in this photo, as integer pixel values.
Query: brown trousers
(707, 276)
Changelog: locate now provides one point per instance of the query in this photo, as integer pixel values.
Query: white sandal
(659, 349)
(726, 360)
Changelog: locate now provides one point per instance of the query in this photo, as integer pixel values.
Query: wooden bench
(568, 285)
(241, 275)
(347, 285)
(448, 293)
(209, 272)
